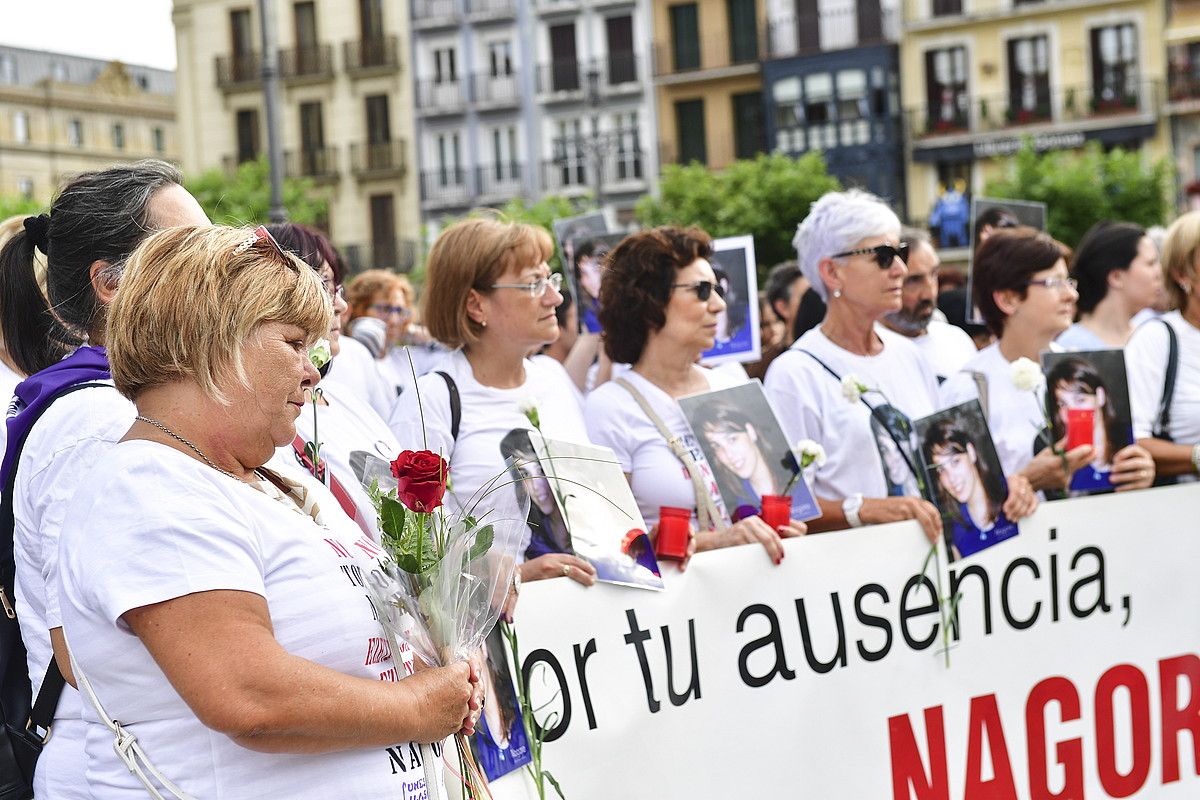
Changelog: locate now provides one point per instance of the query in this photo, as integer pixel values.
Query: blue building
(831, 83)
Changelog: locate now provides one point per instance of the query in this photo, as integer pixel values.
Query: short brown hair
(473, 254)
(191, 297)
(1179, 256)
(366, 286)
(636, 285)
(1008, 259)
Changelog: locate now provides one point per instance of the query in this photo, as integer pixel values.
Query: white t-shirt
(1077, 337)
(555, 365)
(862, 457)
(426, 358)
(945, 348)
(488, 415)
(1146, 363)
(658, 477)
(356, 370)
(345, 425)
(150, 524)
(73, 434)
(1015, 416)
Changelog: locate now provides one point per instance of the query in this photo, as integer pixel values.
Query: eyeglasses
(260, 234)
(1054, 283)
(703, 289)
(538, 287)
(333, 289)
(388, 310)
(884, 253)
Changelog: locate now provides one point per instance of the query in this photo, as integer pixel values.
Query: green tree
(1081, 188)
(765, 197)
(542, 213)
(17, 205)
(244, 197)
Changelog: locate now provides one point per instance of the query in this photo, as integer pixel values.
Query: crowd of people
(185, 485)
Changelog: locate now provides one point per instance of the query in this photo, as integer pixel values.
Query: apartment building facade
(1182, 107)
(61, 115)
(980, 76)
(532, 98)
(346, 110)
(831, 83)
(707, 61)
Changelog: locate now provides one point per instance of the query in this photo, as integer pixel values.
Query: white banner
(1075, 672)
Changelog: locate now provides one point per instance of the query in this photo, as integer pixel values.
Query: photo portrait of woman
(548, 530)
(500, 743)
(589, 261)
(1075, 388)
(970, 489)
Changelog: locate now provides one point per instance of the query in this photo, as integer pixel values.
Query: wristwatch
(516, 581)
(850, 507)
(1196, 458)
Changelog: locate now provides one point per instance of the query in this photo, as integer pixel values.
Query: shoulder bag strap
(455, 404)
(41, 716)
(706, 510)
(1162, 422)
(321, 471)
(125, 744)
(875, 414)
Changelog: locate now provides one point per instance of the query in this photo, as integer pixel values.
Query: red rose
(421, 477)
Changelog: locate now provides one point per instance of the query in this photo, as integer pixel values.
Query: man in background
(945, 347)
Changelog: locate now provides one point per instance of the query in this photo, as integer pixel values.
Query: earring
(837, 293)
(483, 322)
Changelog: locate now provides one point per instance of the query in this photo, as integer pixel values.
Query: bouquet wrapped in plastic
(447, 575)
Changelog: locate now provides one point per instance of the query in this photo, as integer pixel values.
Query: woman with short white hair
(849, 248)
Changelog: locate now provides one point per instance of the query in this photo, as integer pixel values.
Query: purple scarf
(37, 391)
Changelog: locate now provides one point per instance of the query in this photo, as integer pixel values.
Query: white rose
(320, 354)
(853, 388)
(810, 453)
(1026, 375)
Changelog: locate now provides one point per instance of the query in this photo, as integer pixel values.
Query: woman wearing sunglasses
(379, 316)
(490, 296)
(659, 307)
(1026, 298)
(849, 248)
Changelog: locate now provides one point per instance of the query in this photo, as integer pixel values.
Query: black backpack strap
(455, 404)
(1162, 421)
(27, 726)
(912, 467)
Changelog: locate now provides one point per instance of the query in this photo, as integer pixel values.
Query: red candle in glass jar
(776, 510)
(673, 524)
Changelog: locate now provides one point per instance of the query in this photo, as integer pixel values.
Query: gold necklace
(188, 444)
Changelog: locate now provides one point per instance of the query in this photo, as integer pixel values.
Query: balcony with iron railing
(373, 56)
(697, 60)
(378, 160)
(933, 14)
(446, 187)
(499, 182)
(1038, 109)
(808, 34)
(317, 163)
(307, 63)
(495, 91)
(1183, 84)
(621, 171)
(480, 10)
(442, 97)
(239, 72)
(567, 175)
(399, 255)
(571, 80)
(427, 14)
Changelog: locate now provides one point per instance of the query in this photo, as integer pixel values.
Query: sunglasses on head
(703, 289)
(884, 253)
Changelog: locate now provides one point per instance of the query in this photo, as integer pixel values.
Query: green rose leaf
(483, 542)
(391, 516)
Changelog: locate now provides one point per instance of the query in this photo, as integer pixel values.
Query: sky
(133, 31)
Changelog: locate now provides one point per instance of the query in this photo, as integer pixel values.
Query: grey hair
(836, 222)
(99, 216)
(915, 236)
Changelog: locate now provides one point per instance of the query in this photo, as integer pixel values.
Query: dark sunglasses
(703, 289)
(884, 253)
